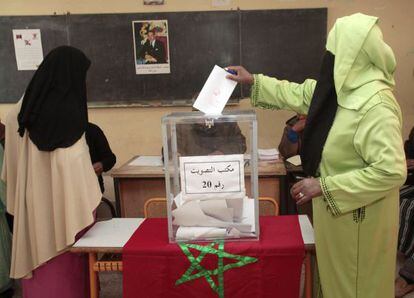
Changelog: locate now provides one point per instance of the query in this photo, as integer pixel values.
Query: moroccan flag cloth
(270, 267)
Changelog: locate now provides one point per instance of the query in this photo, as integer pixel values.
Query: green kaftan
(363, 162)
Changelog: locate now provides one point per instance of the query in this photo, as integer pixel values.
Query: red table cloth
(270, 267)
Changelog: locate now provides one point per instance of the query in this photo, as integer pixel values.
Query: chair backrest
(157, 207)
(268, 206)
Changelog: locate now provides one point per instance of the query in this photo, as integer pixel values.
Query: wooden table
(134, 185)
(111, 236)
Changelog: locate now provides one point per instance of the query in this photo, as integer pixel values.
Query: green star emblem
(199, 271)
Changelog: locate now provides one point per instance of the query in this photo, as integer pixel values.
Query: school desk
(134, 185)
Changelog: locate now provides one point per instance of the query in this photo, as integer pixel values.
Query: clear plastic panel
(210, 161)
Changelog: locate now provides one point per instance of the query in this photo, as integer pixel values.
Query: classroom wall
(134, 131)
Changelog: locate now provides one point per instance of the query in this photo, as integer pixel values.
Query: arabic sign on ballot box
(218, 176)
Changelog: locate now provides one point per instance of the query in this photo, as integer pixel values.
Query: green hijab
(364, 63)
(357, 65)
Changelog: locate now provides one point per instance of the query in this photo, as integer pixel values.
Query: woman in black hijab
(54, 109)
(52, 189)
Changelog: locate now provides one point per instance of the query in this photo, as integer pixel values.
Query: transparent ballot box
(211, 176)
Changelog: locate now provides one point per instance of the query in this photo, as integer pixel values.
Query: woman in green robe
(5, 238)
(354, 156)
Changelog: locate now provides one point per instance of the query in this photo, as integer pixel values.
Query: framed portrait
(151, 47)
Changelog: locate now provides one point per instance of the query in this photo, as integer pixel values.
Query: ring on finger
(301, 195)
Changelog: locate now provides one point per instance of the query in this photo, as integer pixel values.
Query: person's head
(364, 63)
(54, 108)
(357, 65)
(65, 67)
(151, 35)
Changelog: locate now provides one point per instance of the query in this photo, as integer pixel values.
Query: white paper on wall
(28, 48)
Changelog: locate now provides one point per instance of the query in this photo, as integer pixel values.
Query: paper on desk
(215, 93)
(147, 161)
(268, 152)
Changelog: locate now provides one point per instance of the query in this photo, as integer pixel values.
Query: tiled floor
(111, 284)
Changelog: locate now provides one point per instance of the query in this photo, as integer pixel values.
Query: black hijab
(54, 109)
(320, 117)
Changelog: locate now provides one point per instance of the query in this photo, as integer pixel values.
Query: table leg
(93, 276)
(308, 275)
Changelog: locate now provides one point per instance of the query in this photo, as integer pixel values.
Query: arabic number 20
(207, 184)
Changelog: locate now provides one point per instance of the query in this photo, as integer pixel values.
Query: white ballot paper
(195, 233)
(191, 214)
(212, 177)
(214, 219)
(215, 93)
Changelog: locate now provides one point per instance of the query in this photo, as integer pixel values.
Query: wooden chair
(268, 206)
(157, 207)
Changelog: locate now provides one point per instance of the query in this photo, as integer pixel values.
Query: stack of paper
(268, 154)
(207, 219)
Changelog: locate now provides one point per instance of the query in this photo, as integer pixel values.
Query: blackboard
(283, 43)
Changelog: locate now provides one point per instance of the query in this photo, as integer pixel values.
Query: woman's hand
(305, 190)
(98, 167)
(300, 125)
(241, 76)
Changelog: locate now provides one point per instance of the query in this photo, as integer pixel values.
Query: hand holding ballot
(242, 75)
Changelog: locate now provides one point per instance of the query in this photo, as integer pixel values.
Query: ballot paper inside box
(211, 176)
